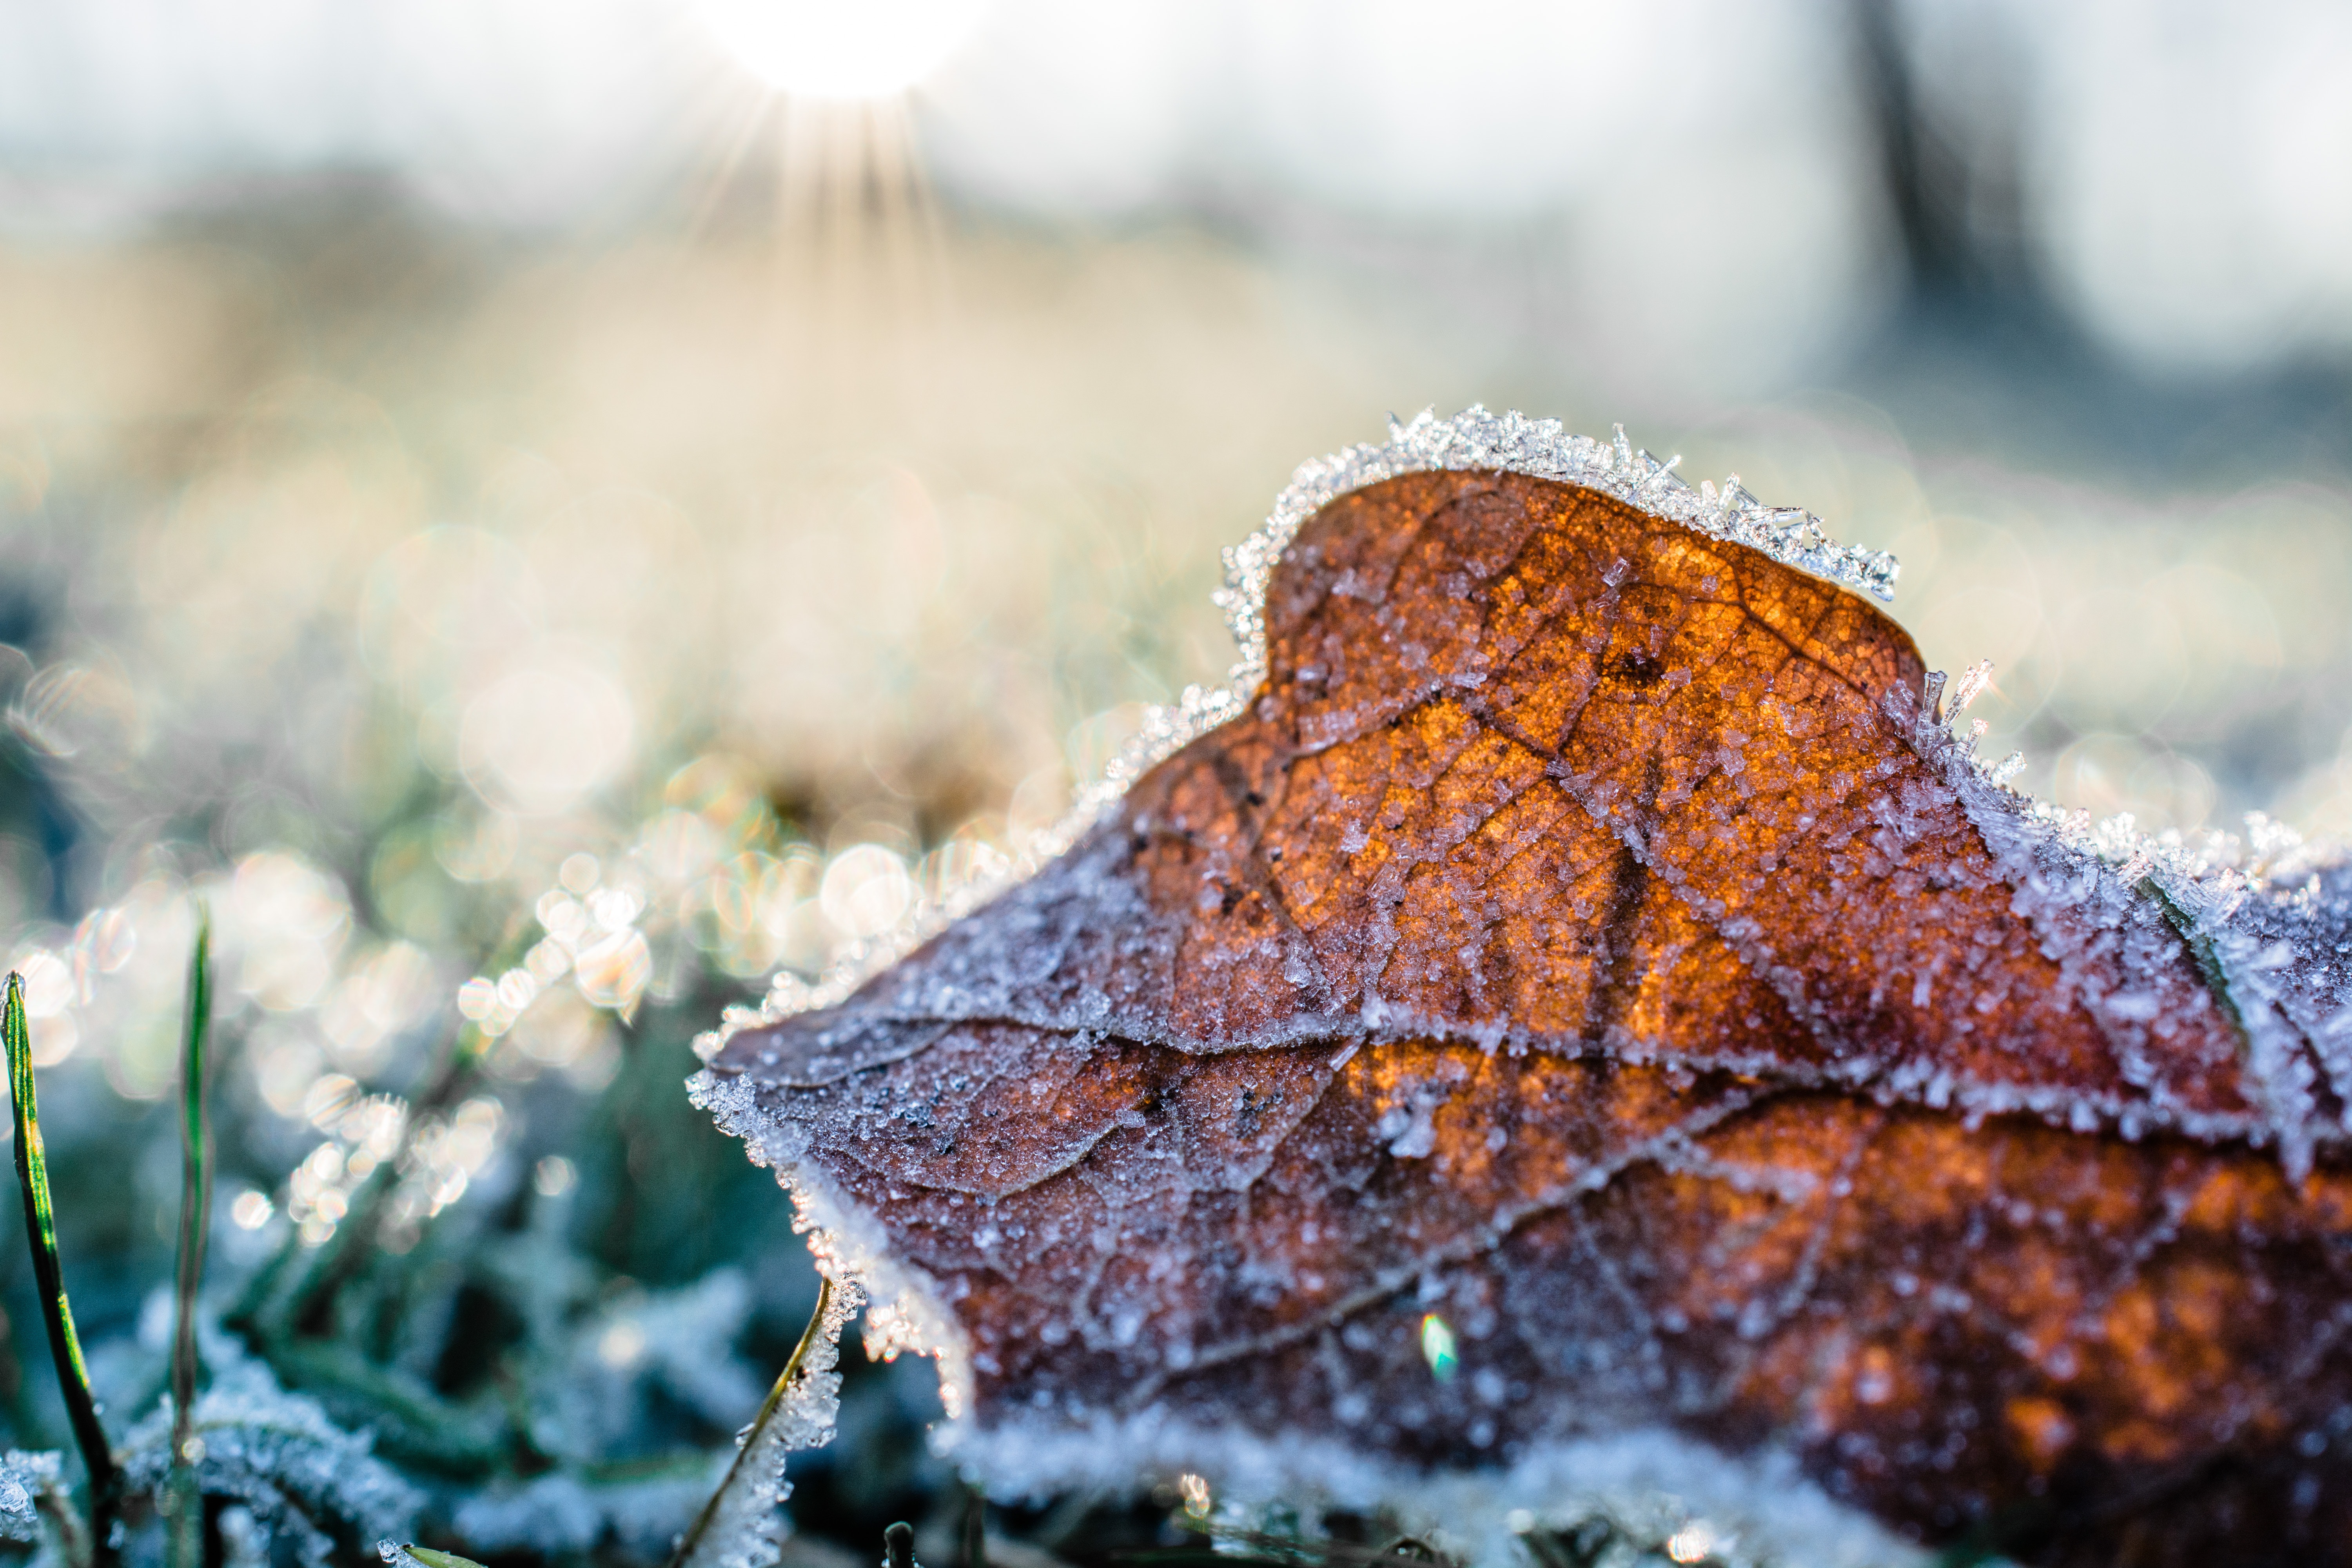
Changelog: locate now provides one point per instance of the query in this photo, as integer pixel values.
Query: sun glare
(826, 49)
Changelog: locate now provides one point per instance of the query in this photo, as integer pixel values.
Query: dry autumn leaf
(1585, 1029)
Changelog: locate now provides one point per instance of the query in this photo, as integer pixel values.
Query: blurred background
(549, 514)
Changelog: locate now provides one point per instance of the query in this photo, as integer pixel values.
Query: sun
(840, 50)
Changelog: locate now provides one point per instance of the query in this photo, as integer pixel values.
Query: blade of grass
(184, 1502)
(41, 1235)
(408, 1554)
(751, 1442)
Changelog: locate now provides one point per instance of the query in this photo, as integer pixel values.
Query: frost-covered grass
(564, 1412)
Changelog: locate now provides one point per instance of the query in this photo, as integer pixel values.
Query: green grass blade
(183, 1504)
(41, 1235)
(408, 1554)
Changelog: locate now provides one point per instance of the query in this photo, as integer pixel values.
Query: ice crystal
(1970, 687)
(24, 1480)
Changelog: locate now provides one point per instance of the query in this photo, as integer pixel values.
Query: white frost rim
(1747, 1511)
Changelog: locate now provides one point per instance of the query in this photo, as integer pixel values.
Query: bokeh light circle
(813, 49)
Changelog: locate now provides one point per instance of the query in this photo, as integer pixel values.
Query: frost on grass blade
(408, 1554)
(1585, 949)
(302, 1477)
(744, 1525)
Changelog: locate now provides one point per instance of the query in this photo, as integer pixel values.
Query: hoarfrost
(563, 1513)
(747, 1525)
(1760, 1512)
(24, 1480)
(276, 1453)
(671, 1344)
(1970, 686)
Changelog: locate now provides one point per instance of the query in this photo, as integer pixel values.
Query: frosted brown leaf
(1588, 997)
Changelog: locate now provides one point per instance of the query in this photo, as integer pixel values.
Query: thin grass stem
(751, 1442)
(41, 1235)
(184, 1504)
